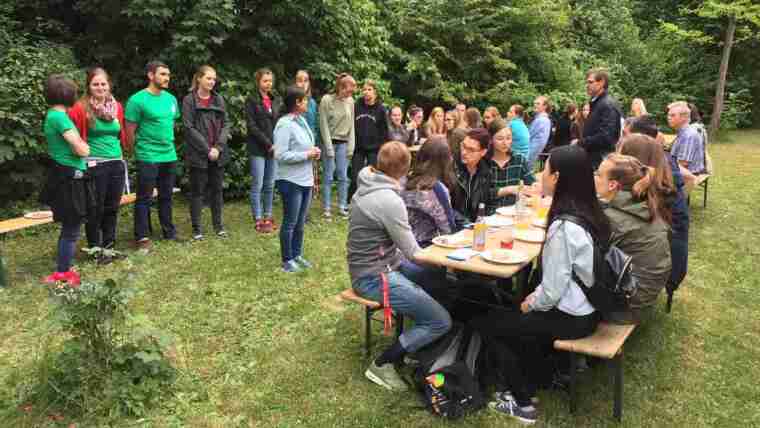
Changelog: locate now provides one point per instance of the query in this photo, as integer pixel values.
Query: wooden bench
(607, 343)
(370, 307)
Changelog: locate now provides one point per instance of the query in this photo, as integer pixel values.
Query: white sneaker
(385, 376)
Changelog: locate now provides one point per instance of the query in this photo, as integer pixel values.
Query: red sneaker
(272, 224)
(260, 226)
(73, 278)
(55, 277)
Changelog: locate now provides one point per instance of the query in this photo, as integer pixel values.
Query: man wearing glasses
(602, 129)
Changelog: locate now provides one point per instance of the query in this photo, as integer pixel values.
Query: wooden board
(606, 341)
(438, 256)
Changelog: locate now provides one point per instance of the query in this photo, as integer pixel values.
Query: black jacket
(602, 129)
(469, 192)
(261, 124)
(198, 123)
(371, 125)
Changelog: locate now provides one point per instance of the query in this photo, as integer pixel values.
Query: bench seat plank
(19, 223)
(606, 341)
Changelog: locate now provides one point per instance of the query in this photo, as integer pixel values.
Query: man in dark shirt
(603, 126)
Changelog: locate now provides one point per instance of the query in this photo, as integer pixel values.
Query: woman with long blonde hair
(436, 124)
(638, 108)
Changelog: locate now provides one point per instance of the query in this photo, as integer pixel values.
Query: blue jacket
(540, 130)
(520, 137)
(312, 117)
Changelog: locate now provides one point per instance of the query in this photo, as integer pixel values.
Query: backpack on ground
(614, 283)
(447, 374)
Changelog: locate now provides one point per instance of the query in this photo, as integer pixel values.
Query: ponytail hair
(641, 181)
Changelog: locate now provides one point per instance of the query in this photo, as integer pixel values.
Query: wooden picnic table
(438, 255)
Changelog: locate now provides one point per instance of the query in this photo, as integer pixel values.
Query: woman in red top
(100, 121)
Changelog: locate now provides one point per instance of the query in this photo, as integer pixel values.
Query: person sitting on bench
(379, 236)
(558, 308)
(640, 219)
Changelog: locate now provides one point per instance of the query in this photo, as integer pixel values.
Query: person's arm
(131, 128)
(382, 126)
(193, 137)
(282, 148)
(444, 198)
(566, 247)
(608, 131)
(221, 144)
(122, 127)
(253, 127)
(132, 116)
(351, 144)
(324, 127)
(395, 220)
(78, 146)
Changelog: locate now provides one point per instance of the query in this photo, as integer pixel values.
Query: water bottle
(479, 231)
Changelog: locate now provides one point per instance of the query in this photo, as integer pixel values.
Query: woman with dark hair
(564, 132)
(207, 128)
(371, 125)
(68, 190)
(558, 308)
(263, 110)
(337, 126)
(99, 118)
(640, 220)
(507, 168)
(294, 151)
(426, 192)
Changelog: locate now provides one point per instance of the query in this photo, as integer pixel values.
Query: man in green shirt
(150, 116)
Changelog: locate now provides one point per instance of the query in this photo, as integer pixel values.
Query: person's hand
(511, 190)
(314, 153)
(411, 126)
(575, 141)
(525, 305)
(213, 154)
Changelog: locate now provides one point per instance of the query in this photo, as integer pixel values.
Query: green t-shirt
(56, 123)
(154, 116)
(104, 139)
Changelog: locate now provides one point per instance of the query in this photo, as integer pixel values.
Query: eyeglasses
(466, 149)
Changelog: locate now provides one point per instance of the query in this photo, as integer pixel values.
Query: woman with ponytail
(639, 219)
(99, 118)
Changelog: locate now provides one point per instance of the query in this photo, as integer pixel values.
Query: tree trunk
(722, 73)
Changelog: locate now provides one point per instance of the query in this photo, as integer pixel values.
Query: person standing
(520, 132)
(67, 189)
(150, 116)
(294, 151)
(99, 118)
(336, 123)
(540, 129)
(303, 81)
(564, 132)
(601, 131)
(262, 110)
(371, 125)
(206, 129)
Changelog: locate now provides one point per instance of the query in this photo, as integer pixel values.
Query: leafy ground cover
(255, 347)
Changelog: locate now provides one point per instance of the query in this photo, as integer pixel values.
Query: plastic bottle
(479, 231)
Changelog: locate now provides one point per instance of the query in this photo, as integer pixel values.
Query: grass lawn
(259, 348)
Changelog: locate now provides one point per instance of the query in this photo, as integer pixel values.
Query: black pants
(109, 183)
(203, 180)
(516, 345)
(149, 177)
(362, 158)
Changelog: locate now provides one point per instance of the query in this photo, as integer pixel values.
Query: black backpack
(614, 283)
(447, 374)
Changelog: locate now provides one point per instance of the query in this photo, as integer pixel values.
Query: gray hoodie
(379, 235)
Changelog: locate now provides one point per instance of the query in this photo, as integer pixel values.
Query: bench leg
(704, 202)
(367, 331)
(617, 368)
(573, 381)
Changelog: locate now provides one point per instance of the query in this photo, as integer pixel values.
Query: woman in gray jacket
(206, 129)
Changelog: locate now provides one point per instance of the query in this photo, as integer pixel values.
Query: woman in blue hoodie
(294, 151)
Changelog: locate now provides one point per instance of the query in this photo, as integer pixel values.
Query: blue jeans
(431, 320)
(262, 184)
(67, 244)
(330, 166)
(295, 205)
(150, 176)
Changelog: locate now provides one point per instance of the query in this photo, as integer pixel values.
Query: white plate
(504, 257)
(530, 235)
(38, 215)
(539, 222)
(507, 211)
(499, 221)
(452, 241)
